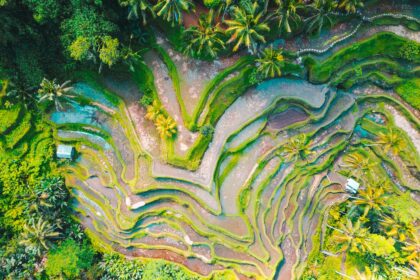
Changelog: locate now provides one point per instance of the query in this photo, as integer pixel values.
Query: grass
(384, 44)
(409, 90)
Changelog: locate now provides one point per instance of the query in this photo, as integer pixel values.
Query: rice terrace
(214, 139)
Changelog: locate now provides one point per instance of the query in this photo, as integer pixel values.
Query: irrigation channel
(247, 206)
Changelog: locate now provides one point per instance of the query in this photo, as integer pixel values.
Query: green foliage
(79, 48)
(117, 267)
(204, 40)
(247, 27)
(410, 51)
(69, 259)
(207, 130)
(171, 10)
(212, 3)
(88, 23)
(384, 44)
(43, 10)
(409, 90)
(405, 208)
(146, 100)
(380, 245)
(165, 271)
(109, 53)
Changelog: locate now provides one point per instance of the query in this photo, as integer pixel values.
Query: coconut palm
(412, 249)
(398, 229)
(368, 274)
(37, 236)
(270, 62)
(51, 91)
(206, 39)
(171, 10)
(350, 6)
(166, 126)
(322, 16)
(392, 140)
(350, 237)
(20, 94)
(286, 14)
(247, 27)
(296, 148)
(138, 8)
(357, 164)
(371, 199)
(153, 111)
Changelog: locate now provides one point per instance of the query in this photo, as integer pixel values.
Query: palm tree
(271, 62)
(166, 126)
(392, 140)
(350, 237)
(20, 94)
(357, 164)
(368, 274)
(246, 27)
(154, 111)
(298, 147)
(136, 7)
(322, 15)
(286, 14)
(51, 91)
(351, 6)
(37, 236)
(171, 10)
(398, 229)
(412, 248)
(204, 40)
(371, 199)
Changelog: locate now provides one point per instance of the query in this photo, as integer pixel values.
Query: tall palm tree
(371, 199)
(357, 164)
(350, 237)
(138, 8)
(166, 126)
(51, 91)
(247, 27)
(351, 6)
(37, 236)
(270, 62)
(171, 10)
(322, 16)
(296, 148)
(206, 39)
(398, 229)
(20, 94)
(392, 140)
(153, 111)
(286, 14)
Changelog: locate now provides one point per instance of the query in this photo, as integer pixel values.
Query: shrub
(69, 259)
(207, 130)
(212, 3)
(146, 100)
(115, 267)
(410, 91)
(410, 50)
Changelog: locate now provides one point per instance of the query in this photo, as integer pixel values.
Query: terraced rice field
(246, 205)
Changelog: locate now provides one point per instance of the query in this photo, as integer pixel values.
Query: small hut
(65, 152)
(352, 186)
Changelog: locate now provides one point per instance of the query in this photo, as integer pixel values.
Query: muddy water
(286, 118)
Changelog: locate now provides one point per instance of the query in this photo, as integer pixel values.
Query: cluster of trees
(50, 38)
(373, 231)
(249, 23)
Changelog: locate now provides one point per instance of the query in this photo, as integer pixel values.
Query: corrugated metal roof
(65, 151)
